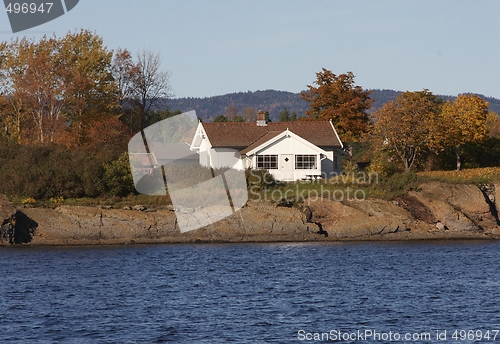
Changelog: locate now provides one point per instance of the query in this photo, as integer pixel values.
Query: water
(247, 293)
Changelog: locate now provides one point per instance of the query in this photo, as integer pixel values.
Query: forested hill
(269, 100)
(274, 101)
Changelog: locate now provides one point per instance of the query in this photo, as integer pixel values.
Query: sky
(224, 46)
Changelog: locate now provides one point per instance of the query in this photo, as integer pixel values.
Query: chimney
(261, 119)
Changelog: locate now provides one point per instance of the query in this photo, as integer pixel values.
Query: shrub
(259, 180)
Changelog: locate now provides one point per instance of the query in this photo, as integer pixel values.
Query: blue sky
(218, 47)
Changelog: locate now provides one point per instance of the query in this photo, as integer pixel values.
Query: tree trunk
(457, 152)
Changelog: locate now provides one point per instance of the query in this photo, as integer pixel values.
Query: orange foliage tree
(337, 98)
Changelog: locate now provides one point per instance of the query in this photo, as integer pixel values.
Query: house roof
(263, 139)
(245, 134)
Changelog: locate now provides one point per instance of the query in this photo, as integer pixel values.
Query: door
(287, 167)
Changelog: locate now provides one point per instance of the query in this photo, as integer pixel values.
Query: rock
(127, 208)
(366, 219)
(285, 203)
(307, 212)
(459, 207)
(104, 207)
(497, 197)
(436, 211)
(441, 227)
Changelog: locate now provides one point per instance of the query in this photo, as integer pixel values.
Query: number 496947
(475, 335)
(17, 7)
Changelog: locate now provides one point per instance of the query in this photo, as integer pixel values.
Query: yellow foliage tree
(464, 120)
(406, 125)
(493, 123)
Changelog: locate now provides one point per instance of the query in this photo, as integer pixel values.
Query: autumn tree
(91, 91)
(337, 98)
(58, 83)
(12, 117)
(149, 83)
(407, 125)
(36, 83)
(465, 120)
(493, 123)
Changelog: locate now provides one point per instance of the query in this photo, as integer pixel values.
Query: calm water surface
(247, 293)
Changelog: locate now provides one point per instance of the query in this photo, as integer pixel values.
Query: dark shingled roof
(243, 134)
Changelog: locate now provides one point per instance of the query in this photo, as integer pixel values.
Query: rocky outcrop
(436, 211)
(256, 222)
(15, 226)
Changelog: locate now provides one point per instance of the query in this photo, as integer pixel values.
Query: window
(336, 162)
(267, 162)
(305, 162)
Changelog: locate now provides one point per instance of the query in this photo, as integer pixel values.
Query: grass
(156, 202)
(466, 176)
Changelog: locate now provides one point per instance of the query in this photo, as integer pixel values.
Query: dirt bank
(436, 211)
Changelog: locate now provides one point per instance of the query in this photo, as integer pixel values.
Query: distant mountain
(270, 100)
(274, 101)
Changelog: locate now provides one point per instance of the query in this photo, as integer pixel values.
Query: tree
(149, 83)
(493, 123)
(231, 112)
(407, 125)
(283, 115)
(12, 117)
(336, 98)
(58, 83)
(36, 82)
(250, 114)
(221, 118)
(92, 92)
(123, 70)
(160, 115)
(465, 120)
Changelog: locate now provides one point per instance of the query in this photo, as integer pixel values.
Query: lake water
(252, 293)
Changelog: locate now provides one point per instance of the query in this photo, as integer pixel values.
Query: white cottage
(289, 150)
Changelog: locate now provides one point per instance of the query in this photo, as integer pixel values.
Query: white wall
(289, 147)
(226, 157)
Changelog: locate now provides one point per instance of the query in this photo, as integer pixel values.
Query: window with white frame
(267, 162)
(305, 162)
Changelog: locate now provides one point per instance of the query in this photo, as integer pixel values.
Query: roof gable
(272, 137)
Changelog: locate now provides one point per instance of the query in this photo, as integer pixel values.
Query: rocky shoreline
(435, 211)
